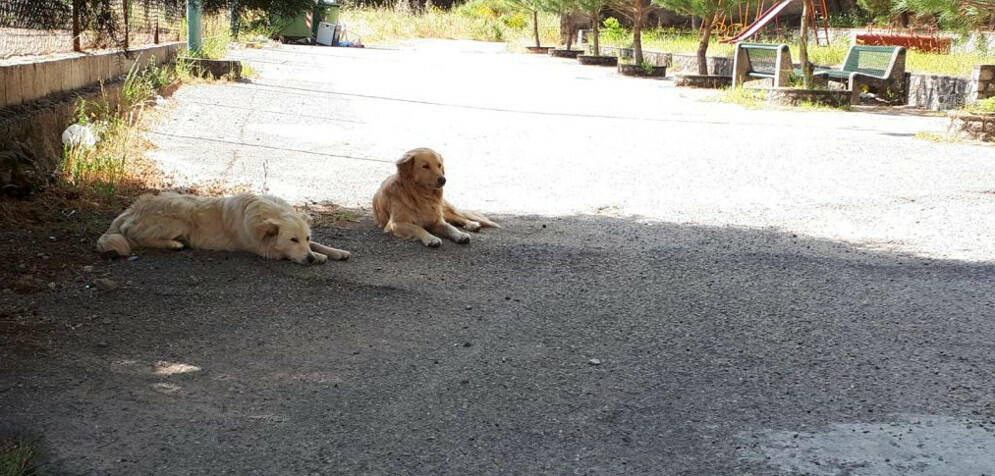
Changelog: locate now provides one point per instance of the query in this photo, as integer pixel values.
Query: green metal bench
(762, 61)
(881, 68)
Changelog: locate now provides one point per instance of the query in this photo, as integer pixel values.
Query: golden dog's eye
(295, 240)
(425, 166)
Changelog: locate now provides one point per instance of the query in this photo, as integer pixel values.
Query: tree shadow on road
(577, 343)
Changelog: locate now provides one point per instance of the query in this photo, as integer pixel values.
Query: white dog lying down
(260, 224)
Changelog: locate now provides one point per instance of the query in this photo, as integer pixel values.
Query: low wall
(677, 62)
(29, 80)
(984, 82)
(937, 92)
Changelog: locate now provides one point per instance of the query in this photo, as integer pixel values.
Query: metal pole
(76, 26)
(195, 40)
(127, 32)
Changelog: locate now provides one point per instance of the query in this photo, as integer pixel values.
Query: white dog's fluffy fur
(260, 224)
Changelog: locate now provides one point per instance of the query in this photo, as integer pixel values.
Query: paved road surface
(764, 293)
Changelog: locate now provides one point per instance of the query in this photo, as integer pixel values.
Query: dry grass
(471, 21)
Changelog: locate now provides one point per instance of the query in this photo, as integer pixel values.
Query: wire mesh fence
(41, 27)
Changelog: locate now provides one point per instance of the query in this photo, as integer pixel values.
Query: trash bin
(326, 11)
(305, 25)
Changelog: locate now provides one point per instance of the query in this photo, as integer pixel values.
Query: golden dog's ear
(406, 164)
(268, 228)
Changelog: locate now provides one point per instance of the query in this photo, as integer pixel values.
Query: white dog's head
(288, 236)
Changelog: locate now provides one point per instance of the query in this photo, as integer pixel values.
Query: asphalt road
(609, 328)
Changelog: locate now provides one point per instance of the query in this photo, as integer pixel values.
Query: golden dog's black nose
(310, 258)
(441, 181)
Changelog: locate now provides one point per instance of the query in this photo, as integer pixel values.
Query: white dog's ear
(268, 228)
(307, 219)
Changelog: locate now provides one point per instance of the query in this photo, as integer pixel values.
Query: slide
(764, 19)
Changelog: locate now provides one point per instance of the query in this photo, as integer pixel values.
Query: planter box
(706, 81)
(972, 126)
(597, 60)
(794, 96)
(639, 70)
(565, 53)
(539, 50)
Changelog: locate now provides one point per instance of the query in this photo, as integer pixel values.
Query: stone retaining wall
(28, 80)
(972, 126)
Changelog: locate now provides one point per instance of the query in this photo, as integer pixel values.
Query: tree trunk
(535, 26)
(637, 33)
(803, 47)
(903, 19)
(570, 36)
(596, 19)
(704, 37)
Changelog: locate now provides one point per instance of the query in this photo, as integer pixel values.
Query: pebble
(51, 285)
(594, 361)
(105, 284)
(102, 344)
(132, 258)
(88, 269)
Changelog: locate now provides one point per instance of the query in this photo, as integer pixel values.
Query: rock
(594, 361)
(106, 284)
(88, 269)
(132, 258)
(51, 285)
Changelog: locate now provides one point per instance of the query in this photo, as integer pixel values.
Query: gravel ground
(671, 293)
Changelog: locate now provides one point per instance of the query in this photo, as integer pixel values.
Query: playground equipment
(817, 15)
(927, 41)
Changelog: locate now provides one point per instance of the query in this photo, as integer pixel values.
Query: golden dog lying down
(409, 204)
(260, 224)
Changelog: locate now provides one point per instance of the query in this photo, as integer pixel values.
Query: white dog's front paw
(431, 241)
(472, 226)
(176, 245)
(462, 238)
(342, 255)
(319, 258)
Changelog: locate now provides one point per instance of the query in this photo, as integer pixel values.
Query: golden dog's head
(422, 167)
(288, 236)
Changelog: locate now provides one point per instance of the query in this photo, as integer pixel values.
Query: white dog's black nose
(441, 181)
(310, 258)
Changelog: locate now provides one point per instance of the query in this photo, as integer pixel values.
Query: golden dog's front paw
(462, 238)
(431, 241)
(472, 226)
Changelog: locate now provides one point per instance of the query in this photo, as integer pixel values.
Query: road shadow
(591, 344)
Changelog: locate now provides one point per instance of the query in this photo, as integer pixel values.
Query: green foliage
(950, 14)
(285, 8)
(17, 458)
(612, 31)
(647, 67)
(850, 19)
(982, 106)
(880, 11)
(700, 8)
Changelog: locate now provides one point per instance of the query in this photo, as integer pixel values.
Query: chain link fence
(42, 27)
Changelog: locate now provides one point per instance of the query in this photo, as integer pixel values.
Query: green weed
(17, 458)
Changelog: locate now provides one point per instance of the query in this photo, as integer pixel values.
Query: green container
(326, 11)
(296, 28)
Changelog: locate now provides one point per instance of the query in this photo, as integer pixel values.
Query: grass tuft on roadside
(17, 458)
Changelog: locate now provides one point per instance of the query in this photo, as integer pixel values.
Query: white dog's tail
(112, 241)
